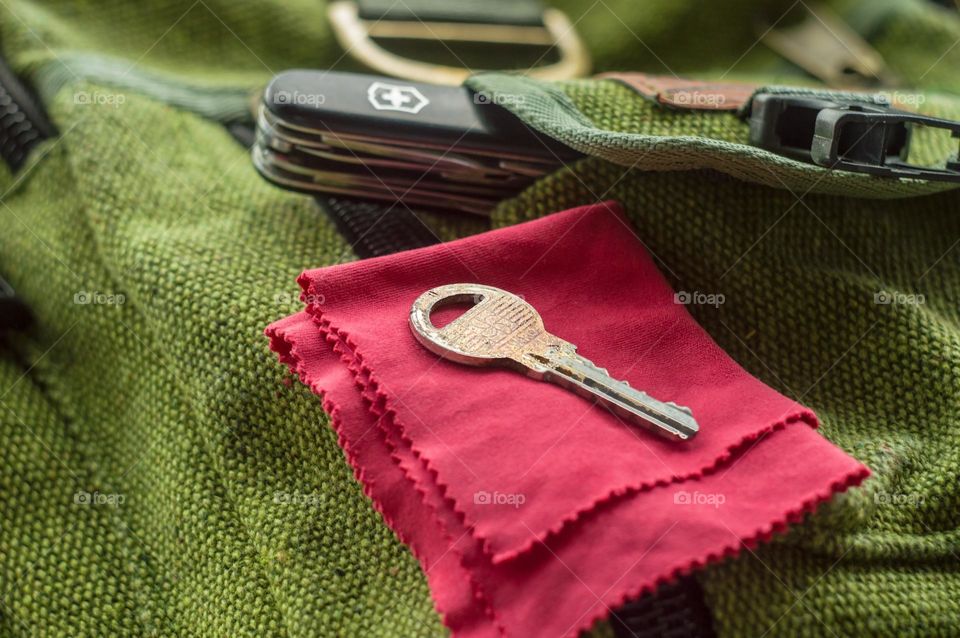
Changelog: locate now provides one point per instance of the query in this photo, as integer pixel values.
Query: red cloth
(532, 511)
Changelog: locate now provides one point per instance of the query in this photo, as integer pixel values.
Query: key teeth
(598, 368)
(682, 408)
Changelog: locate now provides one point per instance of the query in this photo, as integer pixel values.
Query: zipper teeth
(18, 135)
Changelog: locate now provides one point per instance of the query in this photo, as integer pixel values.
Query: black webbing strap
(373, 229)
(14, 314)
(675, 610)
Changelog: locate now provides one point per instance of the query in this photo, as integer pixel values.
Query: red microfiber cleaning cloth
(532, 510)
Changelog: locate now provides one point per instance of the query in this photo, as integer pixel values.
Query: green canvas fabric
(222, 505)
(240, 516)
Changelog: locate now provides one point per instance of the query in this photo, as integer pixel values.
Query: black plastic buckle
(851, 136)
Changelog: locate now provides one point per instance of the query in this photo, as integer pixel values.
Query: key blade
(664, 418)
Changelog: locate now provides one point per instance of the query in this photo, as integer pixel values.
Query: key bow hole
(446, 311)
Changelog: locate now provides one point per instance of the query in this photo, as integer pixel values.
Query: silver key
(503, 329)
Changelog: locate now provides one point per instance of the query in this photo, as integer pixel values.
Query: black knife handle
(409, 113)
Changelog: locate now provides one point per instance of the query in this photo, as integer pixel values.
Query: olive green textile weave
(162, 475)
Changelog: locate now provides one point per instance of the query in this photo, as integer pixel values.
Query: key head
(497, 329)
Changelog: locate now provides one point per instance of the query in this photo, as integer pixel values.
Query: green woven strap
(605, 119)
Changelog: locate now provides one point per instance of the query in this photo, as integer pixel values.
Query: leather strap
(687, 94)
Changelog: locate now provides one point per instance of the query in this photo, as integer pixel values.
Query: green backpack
(163, 475)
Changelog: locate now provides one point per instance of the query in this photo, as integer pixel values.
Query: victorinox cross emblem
(396, 97)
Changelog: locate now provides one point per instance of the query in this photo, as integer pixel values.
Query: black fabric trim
(374, 230)
(675, 610)
(23, 121)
